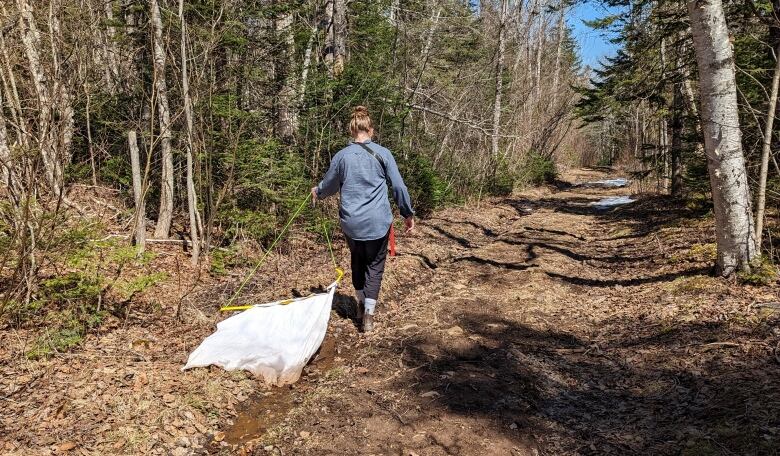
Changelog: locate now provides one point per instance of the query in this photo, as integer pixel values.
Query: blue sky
(594, 44)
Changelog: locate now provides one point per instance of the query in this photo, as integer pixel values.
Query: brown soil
(534, 324)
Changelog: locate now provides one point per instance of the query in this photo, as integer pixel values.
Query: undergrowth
(762, 272)
(89, 278)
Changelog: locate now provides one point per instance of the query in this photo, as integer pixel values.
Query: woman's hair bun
(359, 111)
(360, 121)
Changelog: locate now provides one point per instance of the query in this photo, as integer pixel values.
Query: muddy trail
(542, 323)
(548, 324)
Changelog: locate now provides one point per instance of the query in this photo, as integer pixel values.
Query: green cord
(330, 245)
(268, 252)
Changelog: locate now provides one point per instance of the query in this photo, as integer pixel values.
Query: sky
(594, 44)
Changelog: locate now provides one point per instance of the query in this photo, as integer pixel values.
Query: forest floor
(538, 324)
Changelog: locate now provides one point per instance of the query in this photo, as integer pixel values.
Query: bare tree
(767, 150)
(139, 191)
(192, 196)
(165, 215)
(287, 116)
(339, 36)
(677, 143)
(499, 82)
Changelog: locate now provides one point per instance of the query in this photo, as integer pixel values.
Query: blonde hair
(360, 121)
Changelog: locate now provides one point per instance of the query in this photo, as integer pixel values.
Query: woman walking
(360, 172)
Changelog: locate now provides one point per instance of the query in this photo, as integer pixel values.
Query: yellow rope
(330, 245)
(339, 272)
(265, 256)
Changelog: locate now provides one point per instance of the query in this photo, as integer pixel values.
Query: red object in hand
(392, 241)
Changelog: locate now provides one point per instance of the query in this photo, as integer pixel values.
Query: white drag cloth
(273, 341)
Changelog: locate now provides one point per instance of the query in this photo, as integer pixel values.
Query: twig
(170, 241)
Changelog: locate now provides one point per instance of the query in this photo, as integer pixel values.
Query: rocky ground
(534, 324)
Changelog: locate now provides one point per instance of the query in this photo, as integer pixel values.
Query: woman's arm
(331, 183)
(400, 192)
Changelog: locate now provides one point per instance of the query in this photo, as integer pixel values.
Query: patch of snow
(612, 201)
(611, 183)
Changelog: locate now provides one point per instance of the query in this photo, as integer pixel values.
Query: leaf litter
(545, 327)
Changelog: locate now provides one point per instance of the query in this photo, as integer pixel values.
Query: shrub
(538, 169)
(426, 188)
(503, 181)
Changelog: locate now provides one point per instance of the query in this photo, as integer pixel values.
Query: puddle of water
(612, 201)
(266, 410)
(260, 413)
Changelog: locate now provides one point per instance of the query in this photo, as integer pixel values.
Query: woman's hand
(313, 195)
(409, 224)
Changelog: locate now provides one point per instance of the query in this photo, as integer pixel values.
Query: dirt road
(534, 324)
(544, 325)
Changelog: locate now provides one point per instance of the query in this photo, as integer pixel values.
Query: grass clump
(704, 252)
(222, 260)
(693, 285)
(55, 341)
(762, 272)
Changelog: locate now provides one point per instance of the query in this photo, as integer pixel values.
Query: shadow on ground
(598, 400)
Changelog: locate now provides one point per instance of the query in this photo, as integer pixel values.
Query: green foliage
(89, 285)
(704, 252)
(693, 285)
(270, 183)
(128, 288)
(699, 203)
(503, 181)
(73, 287)
(427, 189)
(762, 272)
(55, 341)
(538, 169)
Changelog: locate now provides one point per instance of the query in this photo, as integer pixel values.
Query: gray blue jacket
(365, 209)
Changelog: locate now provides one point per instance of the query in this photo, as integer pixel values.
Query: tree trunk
(11, 89)
(287, 118)
(539, 49)
(112, 48)
(663, 151)
(722, 136)
(31, 41)
(192, 196)
(339, 36)
(767, 150)
(165, 215)
(676, 150)
(394, 5)
(329, 37)
(138, 192)
(532, 13)
(426, 53)
(5, 151)
(499, 84)
(305, 67)
(558, 54)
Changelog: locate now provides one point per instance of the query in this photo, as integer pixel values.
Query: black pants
(368, 264)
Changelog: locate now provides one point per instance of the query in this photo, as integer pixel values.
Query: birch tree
(722, 136)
